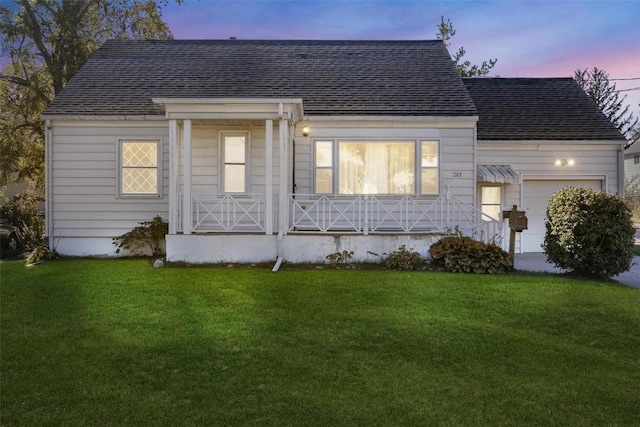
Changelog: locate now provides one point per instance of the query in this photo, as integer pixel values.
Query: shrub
(39, 253)
(404, 259)
(460, 254)
(339, 257)
(589, 232)
(148, 236)
(21, 212)
(632, 194)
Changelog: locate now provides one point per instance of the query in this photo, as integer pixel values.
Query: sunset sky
(529, 38)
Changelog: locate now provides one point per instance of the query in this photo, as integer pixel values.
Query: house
(257, 151)
(632, 161)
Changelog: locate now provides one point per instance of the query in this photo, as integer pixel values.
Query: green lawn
(116, 342)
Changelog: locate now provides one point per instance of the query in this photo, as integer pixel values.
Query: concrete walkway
(537, 262)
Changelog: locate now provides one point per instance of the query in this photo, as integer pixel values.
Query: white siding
(536, 161)
(84, 193)
(205, 140)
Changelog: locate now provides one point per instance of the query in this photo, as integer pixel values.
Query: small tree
(589, 232)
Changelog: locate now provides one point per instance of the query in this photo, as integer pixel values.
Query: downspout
(621, 171)
(282, 204)
(48, 187)
(280, 258)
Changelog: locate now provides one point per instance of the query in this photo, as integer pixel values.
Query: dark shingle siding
(412, 78)
(537, 109)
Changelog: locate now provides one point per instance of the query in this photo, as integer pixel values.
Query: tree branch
(17, 80)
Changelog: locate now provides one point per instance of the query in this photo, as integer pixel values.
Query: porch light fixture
(305, 131)
(565, 162)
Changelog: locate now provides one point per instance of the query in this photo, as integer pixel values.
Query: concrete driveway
(537, 262)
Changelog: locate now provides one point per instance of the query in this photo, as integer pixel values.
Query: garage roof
(537, 109)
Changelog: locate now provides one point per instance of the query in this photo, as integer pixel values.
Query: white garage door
(535, 199)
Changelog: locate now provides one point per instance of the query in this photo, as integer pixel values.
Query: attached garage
(535, 199)
(553, 135)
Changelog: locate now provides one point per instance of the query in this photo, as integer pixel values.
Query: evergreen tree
(596, 84)
(465, 69)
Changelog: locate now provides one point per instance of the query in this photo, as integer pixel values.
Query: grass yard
(116, 342)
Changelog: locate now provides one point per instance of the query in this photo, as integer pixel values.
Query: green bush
(148, 236)
(589, 232)
(20, 211)
(404, 259)
(460, 254)
(632, 194)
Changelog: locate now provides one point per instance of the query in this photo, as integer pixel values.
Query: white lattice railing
(364, 214)
(353, 214)
(227, 213)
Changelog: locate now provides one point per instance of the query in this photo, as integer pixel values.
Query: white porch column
(268, 194)
(174, 175)
(187, 213)
(284, 196)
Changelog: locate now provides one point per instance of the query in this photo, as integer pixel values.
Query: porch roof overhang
(503, 174)
(232, 108)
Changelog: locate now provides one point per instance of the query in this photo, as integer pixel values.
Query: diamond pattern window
(139, 168)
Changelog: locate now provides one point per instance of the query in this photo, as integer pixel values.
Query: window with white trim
(235, 147)
(636, 159)
(376, 167)
(491, 201)
(139, 168)
(324, 167)
(429, 167)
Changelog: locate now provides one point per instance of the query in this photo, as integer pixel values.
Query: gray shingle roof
(414, 78)
(537, 109)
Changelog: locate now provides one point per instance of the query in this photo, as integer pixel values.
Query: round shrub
(20, 211)
(404, 259)
(589, 232)
(460, 254)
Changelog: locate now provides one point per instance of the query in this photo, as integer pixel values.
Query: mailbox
(518, 221)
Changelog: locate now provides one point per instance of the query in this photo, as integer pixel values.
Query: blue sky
(529, 38)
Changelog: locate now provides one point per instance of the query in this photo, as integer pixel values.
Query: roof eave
(88, 117)
(554, 141)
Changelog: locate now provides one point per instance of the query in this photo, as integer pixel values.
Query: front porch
(229, 228)
(338, 214)
(247, 184)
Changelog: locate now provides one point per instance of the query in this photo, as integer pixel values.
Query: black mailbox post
(517, 223)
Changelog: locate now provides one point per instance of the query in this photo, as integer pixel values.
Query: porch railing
(227, 213)
(344, 214)
(364, 214)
